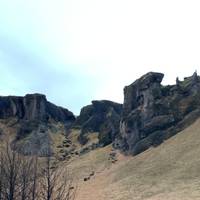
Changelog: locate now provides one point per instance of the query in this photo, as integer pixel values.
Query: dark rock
(86, 179)
(64, 141)
(101, 116)
(112, 154)
(92, 174)
(62, 151)
(66, 145)
(1, 131)
(113, 157)
(88, 148)
(33, 116)
(67, 142)
(61, 158)
(33, 107)
(76, 153)
(66, 153)
(84, 150)
(114, 161)
(153, 113)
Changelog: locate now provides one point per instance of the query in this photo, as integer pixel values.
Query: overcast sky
(75, 51)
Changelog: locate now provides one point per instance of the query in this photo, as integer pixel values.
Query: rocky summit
(152, 112)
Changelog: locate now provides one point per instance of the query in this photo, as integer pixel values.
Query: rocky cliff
(33, 107)
(150, 114)
(153, 112)
(32, 119)
(100, 116)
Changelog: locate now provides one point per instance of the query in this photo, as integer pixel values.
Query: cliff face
(101, 116)
(33, 107)
(152, 112)
(33, 119)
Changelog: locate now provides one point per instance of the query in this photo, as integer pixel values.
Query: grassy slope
(170, 171)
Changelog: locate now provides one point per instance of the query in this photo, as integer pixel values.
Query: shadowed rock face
(33, 107)
(101, 116)
(152, 112)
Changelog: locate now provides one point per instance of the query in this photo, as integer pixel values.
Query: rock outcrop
(33, 107)
(100, 116)
(32, 117)
(152, 112)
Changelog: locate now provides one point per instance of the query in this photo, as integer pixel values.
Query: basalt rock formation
(33, 107)
(100, 116)
(32, 117)
(152, 112)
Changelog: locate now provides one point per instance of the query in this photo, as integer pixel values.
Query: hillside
(150, 114)
(144, 149)
(170, 171)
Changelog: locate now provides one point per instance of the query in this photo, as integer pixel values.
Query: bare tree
(56, 182)
(25, 177)
(11, 168)
(34, 184)
(1, 176)
(48, 180)
(66, 190)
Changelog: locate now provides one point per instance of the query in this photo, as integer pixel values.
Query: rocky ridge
(33, 107)
(152, 112)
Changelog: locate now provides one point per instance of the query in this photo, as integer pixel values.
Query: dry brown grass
(168, 172)
(7, 129)
(92, 138)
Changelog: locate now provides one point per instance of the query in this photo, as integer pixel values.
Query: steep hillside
(146, 149)
(170, 171)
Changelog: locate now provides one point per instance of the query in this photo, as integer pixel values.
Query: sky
(76, 51)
